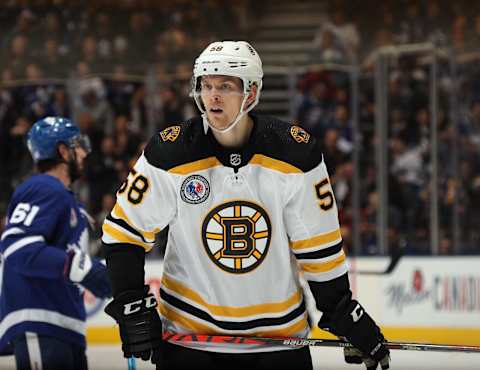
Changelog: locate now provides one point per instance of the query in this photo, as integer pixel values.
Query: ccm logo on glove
(136, 306)
(357, 313)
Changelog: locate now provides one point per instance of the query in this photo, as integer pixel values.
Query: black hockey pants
(175, 357)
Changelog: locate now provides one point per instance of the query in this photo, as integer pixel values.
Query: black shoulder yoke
(178, 144)
(287, 142)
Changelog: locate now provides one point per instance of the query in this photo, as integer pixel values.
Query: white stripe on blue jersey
(12, 248)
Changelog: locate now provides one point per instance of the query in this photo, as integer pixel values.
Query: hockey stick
(397, 254)
(315, 342)
(132, 364)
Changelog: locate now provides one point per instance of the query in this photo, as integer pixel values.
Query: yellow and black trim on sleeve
(321, 257)
(316, 242)
(117, 228)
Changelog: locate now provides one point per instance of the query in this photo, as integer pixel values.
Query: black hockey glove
(135, 311)
(350, 322)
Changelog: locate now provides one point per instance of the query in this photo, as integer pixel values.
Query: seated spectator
(328, 48)
(315, 107)
(93, 100)
(52, 63)
(333, 150)
(18, 57)
(345, 32)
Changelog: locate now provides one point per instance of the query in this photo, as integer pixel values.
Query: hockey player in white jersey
(249, 206)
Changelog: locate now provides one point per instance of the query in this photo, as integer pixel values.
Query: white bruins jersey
(242, 225)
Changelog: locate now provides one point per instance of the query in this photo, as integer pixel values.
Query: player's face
(222, 97)
(80, 155)
(81, 147)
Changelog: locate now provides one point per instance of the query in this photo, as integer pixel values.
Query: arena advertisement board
(440, 291)
(429, 299)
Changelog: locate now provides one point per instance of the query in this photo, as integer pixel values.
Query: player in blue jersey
(45, 266)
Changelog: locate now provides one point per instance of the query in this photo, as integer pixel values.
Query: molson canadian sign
(441, 291)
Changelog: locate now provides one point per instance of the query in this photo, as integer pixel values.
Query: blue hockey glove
(135, 311)
(89, 272)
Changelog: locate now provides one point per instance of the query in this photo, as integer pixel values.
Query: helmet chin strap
(241, 112)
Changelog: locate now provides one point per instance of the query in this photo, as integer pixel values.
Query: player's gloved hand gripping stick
(135, 311)
(350, 322)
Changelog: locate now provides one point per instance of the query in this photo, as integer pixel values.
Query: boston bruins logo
(299, 134)
(236, 236)
(170, 133)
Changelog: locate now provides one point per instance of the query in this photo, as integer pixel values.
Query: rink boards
(425, 299)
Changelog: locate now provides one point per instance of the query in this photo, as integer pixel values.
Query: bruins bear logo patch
(170, 133)
(236, 236)
(299, 134)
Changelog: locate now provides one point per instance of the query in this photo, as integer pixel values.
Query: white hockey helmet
(229, 58)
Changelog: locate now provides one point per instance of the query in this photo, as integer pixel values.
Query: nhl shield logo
(195, 189)
(235, 159)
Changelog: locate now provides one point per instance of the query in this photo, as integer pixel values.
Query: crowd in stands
(354, 30)
(121, 69)
(324, 108)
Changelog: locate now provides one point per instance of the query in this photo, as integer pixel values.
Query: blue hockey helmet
(47, 133)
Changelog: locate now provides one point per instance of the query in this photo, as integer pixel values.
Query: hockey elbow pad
(135, 311)
(350, 320)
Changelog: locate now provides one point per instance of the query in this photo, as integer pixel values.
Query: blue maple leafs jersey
(44, 221)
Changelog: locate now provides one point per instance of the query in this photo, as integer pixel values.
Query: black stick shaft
(314, 342)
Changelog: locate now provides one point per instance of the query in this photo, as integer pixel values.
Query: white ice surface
(109, 357)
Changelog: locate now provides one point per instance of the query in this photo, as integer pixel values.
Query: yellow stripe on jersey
(118, 212)
(121, 237)
(323, 266)
(317, 240)
(202, 164)
(187, 323)
(289, 331)
(226, 311)
(274, 164)
(197, 327)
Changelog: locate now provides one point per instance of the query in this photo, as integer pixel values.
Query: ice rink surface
(109, 357)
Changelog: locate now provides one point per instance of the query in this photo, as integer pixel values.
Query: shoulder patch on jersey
(299, 134)
(178, 145)
(287, 143)
(170, 133)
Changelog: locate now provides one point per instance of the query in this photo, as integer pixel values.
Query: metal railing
(379, 78)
